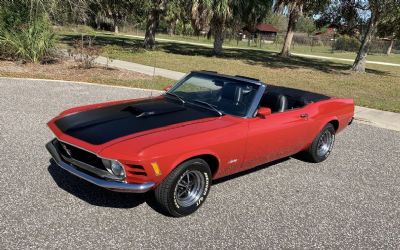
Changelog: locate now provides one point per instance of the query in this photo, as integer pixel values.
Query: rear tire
(322, 145)
(185, 189)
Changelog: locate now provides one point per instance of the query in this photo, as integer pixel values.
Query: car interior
(236, 97)
(281, 99)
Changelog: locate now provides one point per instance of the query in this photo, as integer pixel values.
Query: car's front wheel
(185, 189)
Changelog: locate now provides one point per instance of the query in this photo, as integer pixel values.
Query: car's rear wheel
(185, 189)
(322, 145)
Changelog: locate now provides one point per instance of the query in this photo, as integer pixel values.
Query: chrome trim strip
(101, 173)
(79, 147)
(87, 151)
(256, 101)
(111, 185)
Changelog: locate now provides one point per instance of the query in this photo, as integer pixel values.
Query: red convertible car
(205, 127)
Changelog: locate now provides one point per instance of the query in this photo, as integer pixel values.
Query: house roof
(266, 27)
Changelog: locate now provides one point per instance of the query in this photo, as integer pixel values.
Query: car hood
(126, 120)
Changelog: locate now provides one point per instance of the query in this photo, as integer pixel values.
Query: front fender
(194, 154)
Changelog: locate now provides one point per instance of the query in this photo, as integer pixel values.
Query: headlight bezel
(114, 167)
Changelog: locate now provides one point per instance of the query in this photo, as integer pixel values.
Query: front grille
(81, 155)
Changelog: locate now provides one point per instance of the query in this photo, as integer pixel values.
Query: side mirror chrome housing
(263, 112)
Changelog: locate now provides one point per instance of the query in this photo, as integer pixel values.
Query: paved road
(350, 201)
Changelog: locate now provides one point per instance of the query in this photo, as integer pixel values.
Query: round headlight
(117, 169)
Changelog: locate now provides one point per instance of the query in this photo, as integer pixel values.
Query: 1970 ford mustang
(205, 127)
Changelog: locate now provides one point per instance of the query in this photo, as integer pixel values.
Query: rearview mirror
(168, 88)
(263, 112)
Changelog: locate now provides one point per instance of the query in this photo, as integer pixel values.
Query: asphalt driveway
(352, 200)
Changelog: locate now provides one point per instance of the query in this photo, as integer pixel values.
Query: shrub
(301, 39)
(24, 34)
(84, 53)
(378, 46)
(347, 43)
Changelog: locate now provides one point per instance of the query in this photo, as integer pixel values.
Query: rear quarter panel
(323, 112)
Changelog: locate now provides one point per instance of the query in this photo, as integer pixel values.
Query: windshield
(224, 95)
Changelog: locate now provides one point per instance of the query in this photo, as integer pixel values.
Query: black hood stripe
(102, 125)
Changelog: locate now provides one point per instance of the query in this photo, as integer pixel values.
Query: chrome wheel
(189, 188)
(325, 143)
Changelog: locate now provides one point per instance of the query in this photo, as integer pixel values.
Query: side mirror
(263, 112)
(168, 88)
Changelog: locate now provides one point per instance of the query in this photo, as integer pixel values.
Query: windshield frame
(251, 111)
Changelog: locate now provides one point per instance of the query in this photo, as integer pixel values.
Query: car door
(278, 135)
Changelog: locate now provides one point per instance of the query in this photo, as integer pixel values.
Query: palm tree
(220, 12)
(223, 12)
(200, 16)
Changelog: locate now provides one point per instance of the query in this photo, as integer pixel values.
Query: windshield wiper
(176, 96)
(209, 105)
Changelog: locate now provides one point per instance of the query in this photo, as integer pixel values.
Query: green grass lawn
(379, 88)
(301, 49)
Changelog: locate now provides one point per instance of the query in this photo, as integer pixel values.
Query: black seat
(275, 101)
(232, 92)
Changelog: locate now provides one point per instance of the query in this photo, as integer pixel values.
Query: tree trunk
(389, 49)
(288, 41)
(361, 59)
(116, 29)
(172, 27)
(218, 39)
(152, 23)
(98, 26)
(293, 18)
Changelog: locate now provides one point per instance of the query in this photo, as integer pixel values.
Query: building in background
(262, 31)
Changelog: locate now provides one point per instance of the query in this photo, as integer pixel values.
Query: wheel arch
(211, 159)
(330, 120)
(335, 123)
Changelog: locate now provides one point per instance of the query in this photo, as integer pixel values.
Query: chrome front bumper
(108, 184)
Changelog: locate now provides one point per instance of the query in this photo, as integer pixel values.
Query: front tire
(185, 189)
(322, 145)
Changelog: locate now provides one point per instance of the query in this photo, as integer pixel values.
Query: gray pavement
(349, 201)
(144, 69)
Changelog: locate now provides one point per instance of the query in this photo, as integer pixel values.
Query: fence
(324, 43)
(336, 43)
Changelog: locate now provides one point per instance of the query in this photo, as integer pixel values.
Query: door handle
(304, 116)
